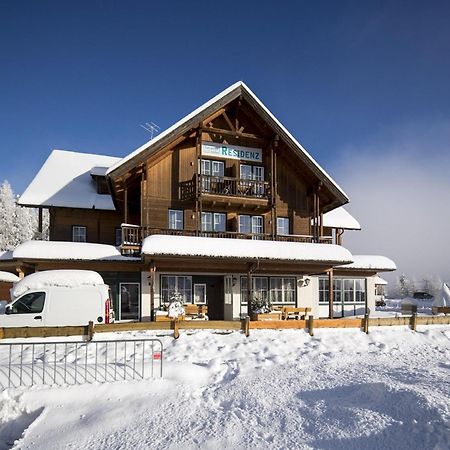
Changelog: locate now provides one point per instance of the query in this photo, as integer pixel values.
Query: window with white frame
(348, 290)
(282, 290)
(172, 285)
(176, 221)
(214, 221)
(277, 289)
(78, 233)
(251, 224)
(282, 225)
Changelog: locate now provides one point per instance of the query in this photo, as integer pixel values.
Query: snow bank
(277, 389)
(243, 249)
(68, 251)
(8, 277)
(61, 278)
(340, 218)
(371, 262)
(65, 180)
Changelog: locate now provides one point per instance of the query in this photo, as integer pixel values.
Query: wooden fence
(245, 325)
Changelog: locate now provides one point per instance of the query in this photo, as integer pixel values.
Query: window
(176, 219)
(31, 303)
(282, 290)
(172, 285)
(118, 236)
(251, 224)
(211, 169)
(260, 288)
(282, 225)
(200, 294)
(255, 173)
(78, 233)
(344, 289)
(213, 221)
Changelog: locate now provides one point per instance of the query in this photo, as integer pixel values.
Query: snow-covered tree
(402, 286)
(17, 223)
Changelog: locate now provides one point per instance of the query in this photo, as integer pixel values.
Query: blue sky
(84, 75)
(363, 85)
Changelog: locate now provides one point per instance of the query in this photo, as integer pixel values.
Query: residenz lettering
(235, 152)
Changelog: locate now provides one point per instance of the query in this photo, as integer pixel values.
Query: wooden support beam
(221, 132)
(330, 293)
(151, 282)
(228, 121)
(40, 227)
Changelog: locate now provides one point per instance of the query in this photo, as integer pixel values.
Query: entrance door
(129, 301)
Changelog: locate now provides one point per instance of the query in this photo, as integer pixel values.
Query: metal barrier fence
(78, 362)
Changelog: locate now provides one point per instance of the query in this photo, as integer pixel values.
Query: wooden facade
(171, 178)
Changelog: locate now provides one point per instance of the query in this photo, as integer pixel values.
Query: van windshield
(29, 303)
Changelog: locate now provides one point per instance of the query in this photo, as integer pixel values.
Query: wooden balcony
(132, 236)
(212, 186)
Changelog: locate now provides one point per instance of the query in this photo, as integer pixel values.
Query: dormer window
(98, 174)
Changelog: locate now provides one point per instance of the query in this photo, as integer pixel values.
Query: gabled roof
(65, 180)
(191, 120)
(340, 218)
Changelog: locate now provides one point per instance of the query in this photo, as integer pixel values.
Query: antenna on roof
(151, 127)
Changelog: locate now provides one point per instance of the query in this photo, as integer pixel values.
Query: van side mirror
(8, 309)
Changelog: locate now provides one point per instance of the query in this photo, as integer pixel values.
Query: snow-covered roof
(98, 171)
(8, 277)
(375, 263)
(6, 255)
(235, 90)
(69, 251)
(160, 245)
(65, 180)
(379, 280)
(340, 218)
(60, 278)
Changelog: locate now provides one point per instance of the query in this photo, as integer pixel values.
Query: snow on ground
(275, 389)
(394, 307)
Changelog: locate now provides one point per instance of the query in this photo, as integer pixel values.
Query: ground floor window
(350, 290)
(270, 289)
(79, 233)
(172, 285)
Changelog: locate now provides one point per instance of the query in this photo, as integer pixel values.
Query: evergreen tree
(7, 216)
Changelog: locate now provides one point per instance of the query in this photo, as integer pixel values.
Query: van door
(27, 311)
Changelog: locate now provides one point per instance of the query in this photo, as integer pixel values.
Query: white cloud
(399, 187)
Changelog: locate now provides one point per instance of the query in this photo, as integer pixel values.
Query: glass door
(129, 301)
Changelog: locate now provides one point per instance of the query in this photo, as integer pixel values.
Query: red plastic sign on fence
(157, 355)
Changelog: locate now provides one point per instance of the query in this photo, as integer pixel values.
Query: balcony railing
(133, 235)
(225, 186)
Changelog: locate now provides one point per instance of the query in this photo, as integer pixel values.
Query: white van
(58, 298)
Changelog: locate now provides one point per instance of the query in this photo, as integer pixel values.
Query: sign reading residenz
(231, 151)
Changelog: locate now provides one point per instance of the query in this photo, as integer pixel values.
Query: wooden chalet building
(224, 207)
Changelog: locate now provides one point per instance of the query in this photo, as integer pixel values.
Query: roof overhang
(162, 246)
(369, 263)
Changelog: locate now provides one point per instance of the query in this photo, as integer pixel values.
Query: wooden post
(246, 324)
(330, 293)
(125, 204)
(40, 223)
(249, 291)
(366, 323)
(321, 226)
(176, 330)
(198, 190)
(152, 290)
(311, 325)
(272, 189)
(414, 321)
(275, 184)
(90, 331)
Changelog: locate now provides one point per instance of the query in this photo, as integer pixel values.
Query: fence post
(247, 326)
(366, 323)
(414, 321)
(176, 331)
(90, 331)
(311, 325)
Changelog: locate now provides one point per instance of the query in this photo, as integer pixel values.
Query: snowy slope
(341, 389)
